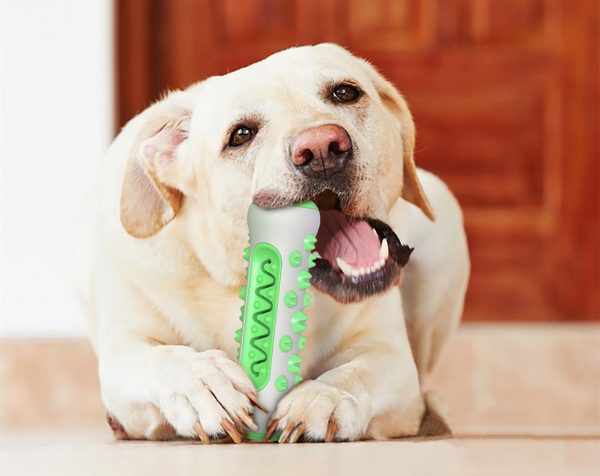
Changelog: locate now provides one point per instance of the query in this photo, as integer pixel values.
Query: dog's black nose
(322, 151)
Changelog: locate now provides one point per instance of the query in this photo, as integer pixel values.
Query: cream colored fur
(163, 304)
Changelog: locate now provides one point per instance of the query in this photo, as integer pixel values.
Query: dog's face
(309, 123)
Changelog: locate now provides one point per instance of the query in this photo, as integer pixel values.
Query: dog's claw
(297, 433)
(332, 428)
(116, 427)
(253, 399)
(246, 419)
(270, 430)
(201, 433)
(286, 432)
(232, 431)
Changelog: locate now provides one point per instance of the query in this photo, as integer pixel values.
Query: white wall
(56, 121)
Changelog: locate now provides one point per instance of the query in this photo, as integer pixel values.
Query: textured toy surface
(273, 319)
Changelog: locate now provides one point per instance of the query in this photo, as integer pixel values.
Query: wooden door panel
(504, 94)
(520, 23)
(494, 158)
(256, 24)
(383, 25)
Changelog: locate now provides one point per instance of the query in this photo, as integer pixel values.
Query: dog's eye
(344, 93)
(241, 135)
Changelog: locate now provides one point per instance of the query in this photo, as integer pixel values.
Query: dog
(159, 260)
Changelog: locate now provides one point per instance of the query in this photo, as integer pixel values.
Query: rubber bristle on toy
(275, 296)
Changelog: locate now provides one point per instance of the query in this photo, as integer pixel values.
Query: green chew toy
(273, 320)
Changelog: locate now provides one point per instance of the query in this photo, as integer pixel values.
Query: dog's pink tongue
(349, 238)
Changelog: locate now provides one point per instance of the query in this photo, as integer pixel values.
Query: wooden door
(504, 94)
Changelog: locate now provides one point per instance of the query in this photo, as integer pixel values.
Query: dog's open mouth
(357, 256)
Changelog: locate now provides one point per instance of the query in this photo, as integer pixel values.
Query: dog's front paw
(315, 411)
(204, 394)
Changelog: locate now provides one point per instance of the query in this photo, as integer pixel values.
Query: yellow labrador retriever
(161, 258)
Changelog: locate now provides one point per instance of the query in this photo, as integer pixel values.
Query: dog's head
(306, 123)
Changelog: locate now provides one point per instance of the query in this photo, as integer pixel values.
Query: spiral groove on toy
(255, 341)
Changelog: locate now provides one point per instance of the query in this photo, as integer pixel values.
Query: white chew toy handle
(279, 258)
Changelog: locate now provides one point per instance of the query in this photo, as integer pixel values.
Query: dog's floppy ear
(150, 197)
(412, 191)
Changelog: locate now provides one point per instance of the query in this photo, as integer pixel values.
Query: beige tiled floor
(525, 400)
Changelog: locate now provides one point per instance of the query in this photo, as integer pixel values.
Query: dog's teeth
(316, 254)
(351, 271)
(373, 230)
(384, 250)
(345, 267)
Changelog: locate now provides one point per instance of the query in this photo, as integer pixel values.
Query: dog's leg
(435, 281)
(434, 285)
(156, 391)
(370, 373)
(150, 388)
